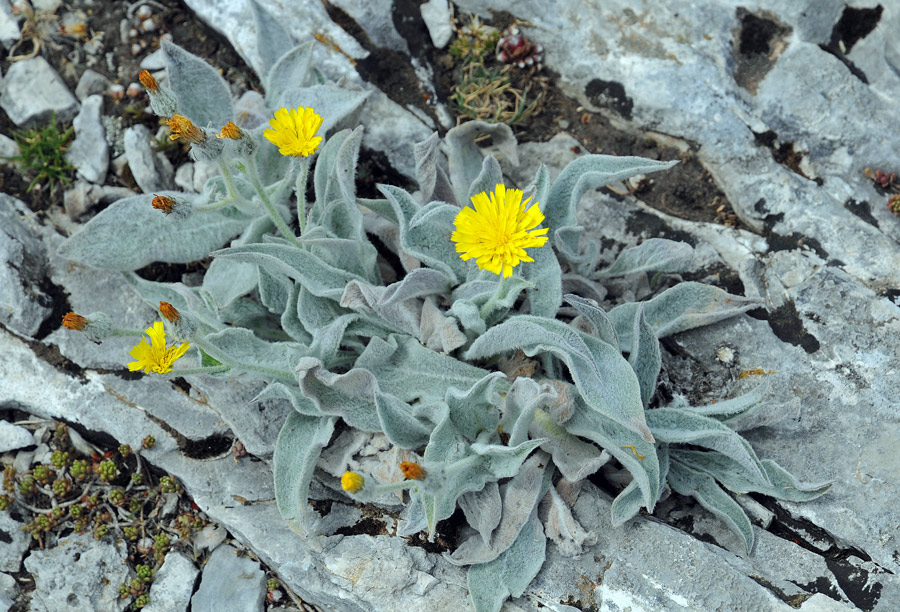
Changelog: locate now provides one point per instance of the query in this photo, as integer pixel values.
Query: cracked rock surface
(784, 104)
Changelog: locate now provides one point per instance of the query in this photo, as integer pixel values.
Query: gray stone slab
(79, 573)
(91, 83)
(13, 437)
(23, 302)
(31, 92)
(144, 166)
(15, 543)
(230, 581)
(173, 584)
(9, 25)
(89, 152)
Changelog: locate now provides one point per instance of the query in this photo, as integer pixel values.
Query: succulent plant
(478, 360)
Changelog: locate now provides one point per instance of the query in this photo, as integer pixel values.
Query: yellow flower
(182, 127)
(498, 230)
(352, 482)
(155, 356)
(294, 131)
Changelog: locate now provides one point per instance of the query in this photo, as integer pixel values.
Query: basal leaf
(651, 255)
(203, 95)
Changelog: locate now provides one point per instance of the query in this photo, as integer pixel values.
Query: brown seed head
(148, 81)
(182, 127)
(230, 130)
(163, 203)
(169, 312)
(74, 321)
(412, 470)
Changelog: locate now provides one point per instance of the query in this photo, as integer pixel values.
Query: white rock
(8, 148)
(9, 589)
(15, 543)
(173, 584)
(13, 437)
(22, 268)
(78, 574)
(143, 164)
(436, 14)
(230, 582)
(31, 92)
(154, 61)
(9, 25)
(209, 537)
(91, 83)
(184, 176)
(203, 171)
(89, 152)
(46, 5)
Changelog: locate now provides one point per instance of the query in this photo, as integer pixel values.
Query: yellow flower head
(352, 482)
(154, 356)
(498, 230)
(294, 131)
(148, 81)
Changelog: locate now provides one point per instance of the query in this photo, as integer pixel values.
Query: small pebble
(116, 91)
(144, 12)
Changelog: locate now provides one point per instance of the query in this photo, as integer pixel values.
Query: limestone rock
(89, 152)
(13, 437)
(23, 303)
(91, 83)
(31, 92)
(230, 581)
(173, 584)
(15, 543)
(144, 164)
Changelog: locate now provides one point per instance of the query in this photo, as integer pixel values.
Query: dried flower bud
(412, 470)
(352, 482)
(244, 144)
(169, 312)
(96, 327)
(182, 127)
(170, 206)
(148, 81)
(74, 321)
(230, 130)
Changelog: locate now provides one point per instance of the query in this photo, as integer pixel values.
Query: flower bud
(96, 327)
(182, 327)
(182, 127)
(181, 208)
(412, 470)
(162, 100)
(245, 145)
(352, 482)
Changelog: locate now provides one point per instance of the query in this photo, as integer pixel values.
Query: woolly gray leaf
(587, 173)
(401, 316)
(520, 498)
(290, 70)
(272, 40)
(465, 156)
(562, 528)
(490, 584)
(203, 95)
(487, 179)
(632, 451)
(131, 234)
(240, 348)
(603, 377)
(604, 329)
(645, 357)
(297, 450)
(350, 396)
(225, 281)
(433, 181)
(736, 478)
(399, 423)
(474, 410)
(673, 425)
(483, 510)
(336, 105)
(685, 306)
(628, 502)
(328, 338)
(523, 398)
(575, 458)
(290, 392)
(439, 332)
(651, 255)
(703, 488)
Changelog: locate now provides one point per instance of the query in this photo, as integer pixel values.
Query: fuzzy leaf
(272, 40)
(412, 371)
(672, 425)
(652, 255)
(592, 312)
(736, 478)
(290, 323)
(315, 312)
(130, 234)
(523, 398)
(704, 489)
(203, 95)
(225, 281)
(736, 405)
(328, 338)
(289, 71)
(685, 306)
(425, 232)
(350, 396)
(545, 277)
(474, 410)
(325, 187)
(628, 502)
(586, 173)
(315, 275)
(603, 377)
(645, 357)
(292, 393)
(297, 450)
(239, 348)
(632, 451)
(487, 179)
(353, 256)
(575, 458)
(465, 157)
(433, 181)
(399, 423)
(567, 240)
(399, 316)
(520, 498)
(490, 584)
(482, 510)
(562, 528)
(336, 211)
(439, 332)
(185, 299)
